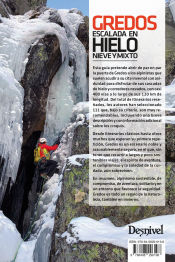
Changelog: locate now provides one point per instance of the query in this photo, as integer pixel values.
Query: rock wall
(19, 7)
(170, 142)
(90, 252)
(44, 61)
(4, 9)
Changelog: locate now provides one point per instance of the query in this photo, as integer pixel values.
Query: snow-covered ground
(83, 229)
(25, 252)
(170, 120)
(10, 239)
(103, 231)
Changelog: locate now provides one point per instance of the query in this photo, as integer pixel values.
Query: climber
(45, 166)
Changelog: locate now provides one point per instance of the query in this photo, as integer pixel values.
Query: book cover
(87, 143)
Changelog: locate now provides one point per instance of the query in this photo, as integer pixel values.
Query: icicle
(11, 108)
(60, 103)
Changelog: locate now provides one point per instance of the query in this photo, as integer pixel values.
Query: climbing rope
(29, 231)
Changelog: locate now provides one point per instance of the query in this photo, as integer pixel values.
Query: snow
(25, 252)
(73, 159)
(71, 21)
(64, 150)
(46, 208)
(81, 108)
(10, 239)
(170, 120)
(103, 231)
(170, 96)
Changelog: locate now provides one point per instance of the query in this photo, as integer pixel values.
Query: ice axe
(59, 138)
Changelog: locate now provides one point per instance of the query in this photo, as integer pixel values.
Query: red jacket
(49, 148)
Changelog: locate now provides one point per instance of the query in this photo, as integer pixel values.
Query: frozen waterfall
(68, 86)
(60, 102)
(17, 35)
(11, 108)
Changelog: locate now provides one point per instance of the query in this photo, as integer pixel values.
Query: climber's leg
(42, 165)
(51, 166)
(39, 170)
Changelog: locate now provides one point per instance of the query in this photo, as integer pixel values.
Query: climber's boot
(57, 170)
